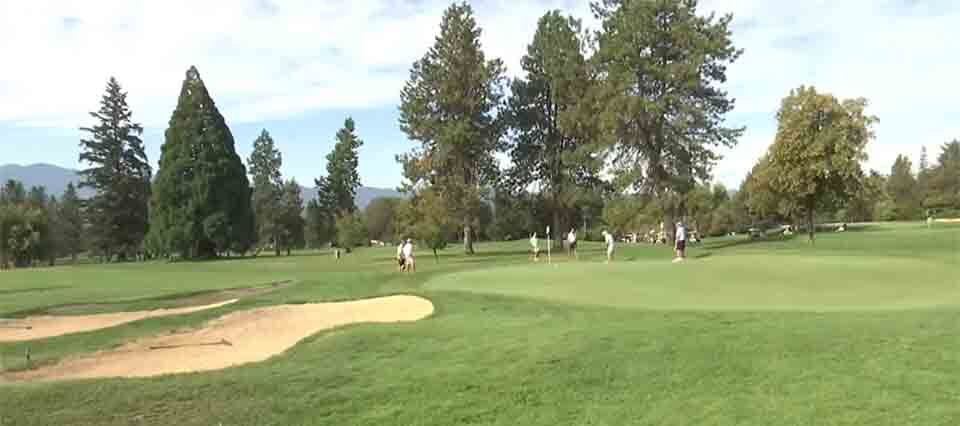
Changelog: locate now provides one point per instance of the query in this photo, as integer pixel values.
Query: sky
(298, 68)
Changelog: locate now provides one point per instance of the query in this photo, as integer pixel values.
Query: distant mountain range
(55, 179)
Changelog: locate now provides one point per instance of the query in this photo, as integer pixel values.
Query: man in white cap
(681, 241)
(400, 254)
(408, 261)
(572, 243)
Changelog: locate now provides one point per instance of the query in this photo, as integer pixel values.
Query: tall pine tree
(290, 218)
(201, 205)
(449, 106)
(119, 173)
(903, 190)
(265, 162)
(554, 118)
(338, 189)
(944, 184)
(663, 119)
(70, 223)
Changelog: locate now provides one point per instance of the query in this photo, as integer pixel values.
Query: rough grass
(859, 329)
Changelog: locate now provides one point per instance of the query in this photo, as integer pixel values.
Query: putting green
(736, 282)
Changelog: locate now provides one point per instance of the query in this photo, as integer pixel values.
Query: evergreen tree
(201, 206)
(120, 174)
(265, 162)
(13, 193)
(944, 184)
(351, 231)
(318, 226)
(338, 189)
(448, 106)
(291, 221)
(37, 197)
(379, 216)
(553, 118)
(54, 241)
(70, 223)
(902, 187)
(863, 206)
(664, 107)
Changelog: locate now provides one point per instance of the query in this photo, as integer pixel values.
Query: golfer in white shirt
(608, 237)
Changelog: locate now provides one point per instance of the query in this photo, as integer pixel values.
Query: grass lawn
(859, 329)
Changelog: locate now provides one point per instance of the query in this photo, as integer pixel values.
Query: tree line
(203, 202)
(621, 128)
(618, 127)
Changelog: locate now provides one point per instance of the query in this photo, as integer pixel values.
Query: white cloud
(261, 59)
(894, 54)
(272, 59)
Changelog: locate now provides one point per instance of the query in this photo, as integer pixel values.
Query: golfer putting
(534, 247)
(572, 244)
(608, 238)
(400, 261)
(409, 263)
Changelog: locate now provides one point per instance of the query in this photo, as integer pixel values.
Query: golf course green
(859, 328)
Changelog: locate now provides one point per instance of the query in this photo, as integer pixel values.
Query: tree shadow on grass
(166, 301)
(31, 289)
(777, 239)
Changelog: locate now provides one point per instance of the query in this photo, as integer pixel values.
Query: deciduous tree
(814, 162)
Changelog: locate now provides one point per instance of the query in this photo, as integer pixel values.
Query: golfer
(400, 255)
(608, 237)
(535, 247)
(408, 261)
(681, 244)
(572, 243)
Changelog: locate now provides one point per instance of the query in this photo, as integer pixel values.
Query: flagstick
(549, 246)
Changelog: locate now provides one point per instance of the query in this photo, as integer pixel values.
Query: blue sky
(298, 68)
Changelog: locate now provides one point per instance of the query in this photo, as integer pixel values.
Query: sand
(234, 339)
(39, 327)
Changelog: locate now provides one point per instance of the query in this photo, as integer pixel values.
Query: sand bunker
(39, 327)
(234, 339)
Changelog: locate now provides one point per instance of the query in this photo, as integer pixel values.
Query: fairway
(858, 329)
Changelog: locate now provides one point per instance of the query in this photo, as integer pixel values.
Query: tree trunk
(436, 256)
(468, 234)
(669, 225)
(811, 229)
(276, 245)
(555, 239)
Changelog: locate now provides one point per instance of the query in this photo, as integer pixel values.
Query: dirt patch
(39, 327)
(175, 301)
(947, 220)
(234, 339)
